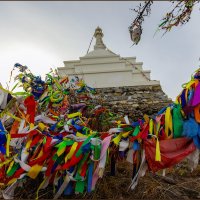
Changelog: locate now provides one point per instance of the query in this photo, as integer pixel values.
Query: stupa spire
(99, 42)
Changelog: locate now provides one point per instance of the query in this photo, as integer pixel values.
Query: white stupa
(101, 68)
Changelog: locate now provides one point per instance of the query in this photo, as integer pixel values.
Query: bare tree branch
(179, 15)
(136, 27)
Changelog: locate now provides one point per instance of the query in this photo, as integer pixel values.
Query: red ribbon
(30, 104)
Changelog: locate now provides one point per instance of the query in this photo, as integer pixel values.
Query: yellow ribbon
(12, 181)
(168, 123)
(158, 156)
(117, 139)
(13, 116)
(40, 186)
(7, 91)
(28, 144)
(71, 152)
(34, 171)
(41, 126)
(188, 85)
(77, 114)
(78, 134)
(124, 135)
(10, 166)
(5, 162)
(31, 126)
(7, 145)
(40, 154)
(151, 126)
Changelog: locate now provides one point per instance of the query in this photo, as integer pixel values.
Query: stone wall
(134, 101)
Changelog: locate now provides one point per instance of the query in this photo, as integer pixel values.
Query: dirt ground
(179, 183)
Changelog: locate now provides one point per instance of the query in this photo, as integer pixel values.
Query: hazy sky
(44, 34)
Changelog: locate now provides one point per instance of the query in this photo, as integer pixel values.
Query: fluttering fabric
(55, 128)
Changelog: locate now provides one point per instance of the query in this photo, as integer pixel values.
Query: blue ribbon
(136, 145)
(69, 189)
(90, 171)
(183, 100)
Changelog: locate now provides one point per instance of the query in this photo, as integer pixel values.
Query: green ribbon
(129, 128)
(63, 144)
(79, 152)
(80, 185)
(97, 152)
(82, 163)
(177, 121)
(13, 169)
(136, 131)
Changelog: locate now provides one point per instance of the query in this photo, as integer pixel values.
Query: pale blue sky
(44, 34)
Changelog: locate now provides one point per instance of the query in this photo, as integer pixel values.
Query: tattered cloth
(172, 152)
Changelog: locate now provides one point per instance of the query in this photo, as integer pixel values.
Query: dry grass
(151, 186)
